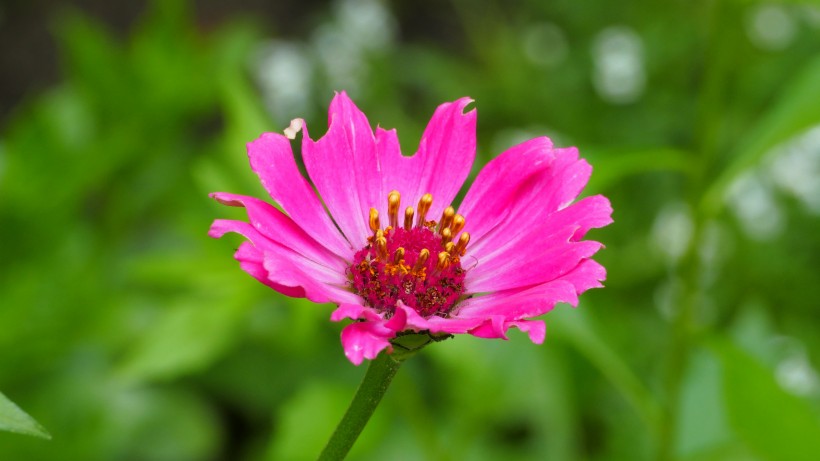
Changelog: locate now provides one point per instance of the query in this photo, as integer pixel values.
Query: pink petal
(250, 260)
(343, 167)
(399, 173)
(364, 340)
(265, 245)
(535, 329)
(398, 322)
(539, 252)
(589, 213)
(436, 324)
(499, 185)
(576, 219)
(447, 149)
(496, 312)
(272, 159)
(441, 164)
(287, 268)
(279, 228)
(588, 274)
(520, 189)
(354, 312)
(526, 269)
(520, 303)
(492, 327)
(497, 326)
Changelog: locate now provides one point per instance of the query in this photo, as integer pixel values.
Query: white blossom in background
(619, 76)
(770, 27)
(286, 71)
(751, 199)
(811, 15)
(794, 168)
(367, 23)
(358, 28)
(796, 374)
(283, 71)
(672, 231)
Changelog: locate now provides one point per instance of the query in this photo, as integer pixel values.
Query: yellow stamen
(443, 261)
(423, 256)
(393, 201)
(424, 206)
(398, 256)
(448, 247)
(379, 234)
(408, 218)
(461, 246)
(446, 218)
(446, 235)
(458, 224)
(381, 248)
(374, 220)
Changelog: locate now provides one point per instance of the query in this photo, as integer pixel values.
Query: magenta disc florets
(416, 264)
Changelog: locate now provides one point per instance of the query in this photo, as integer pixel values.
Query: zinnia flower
(374, 232)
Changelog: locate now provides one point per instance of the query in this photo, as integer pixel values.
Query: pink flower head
(379, 238)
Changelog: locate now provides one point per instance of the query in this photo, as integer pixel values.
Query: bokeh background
(129, 335)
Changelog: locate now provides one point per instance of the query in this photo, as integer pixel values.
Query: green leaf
(702, 427)
(613, 165)
(187, 338)
(306, 420)
(578, 330)
(13, 419)
(777, 425)
(796, 110)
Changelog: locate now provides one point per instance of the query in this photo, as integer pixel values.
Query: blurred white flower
(811, 14)
(283, 71)
(358, 27)
(618, 58)
(752, 201)
(770, 27)
(795, 168)
(672, 231)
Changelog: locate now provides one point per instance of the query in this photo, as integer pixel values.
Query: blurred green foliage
(130, 335)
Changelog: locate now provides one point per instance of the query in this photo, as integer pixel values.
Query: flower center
(417, 263)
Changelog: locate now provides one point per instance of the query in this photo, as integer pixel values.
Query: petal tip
(462, 103)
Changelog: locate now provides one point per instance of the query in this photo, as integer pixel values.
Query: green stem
(376, 380)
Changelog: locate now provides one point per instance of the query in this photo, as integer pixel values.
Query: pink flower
(381, 241)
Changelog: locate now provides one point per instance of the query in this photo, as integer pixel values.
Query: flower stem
(376, 380)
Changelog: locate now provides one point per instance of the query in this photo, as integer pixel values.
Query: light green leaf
(578, 330)
(702, 428)
(244, 115)
(187, 338)
(304, 423)
(777, 425)
(613, 165)
(795, 110)
(13, 419)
